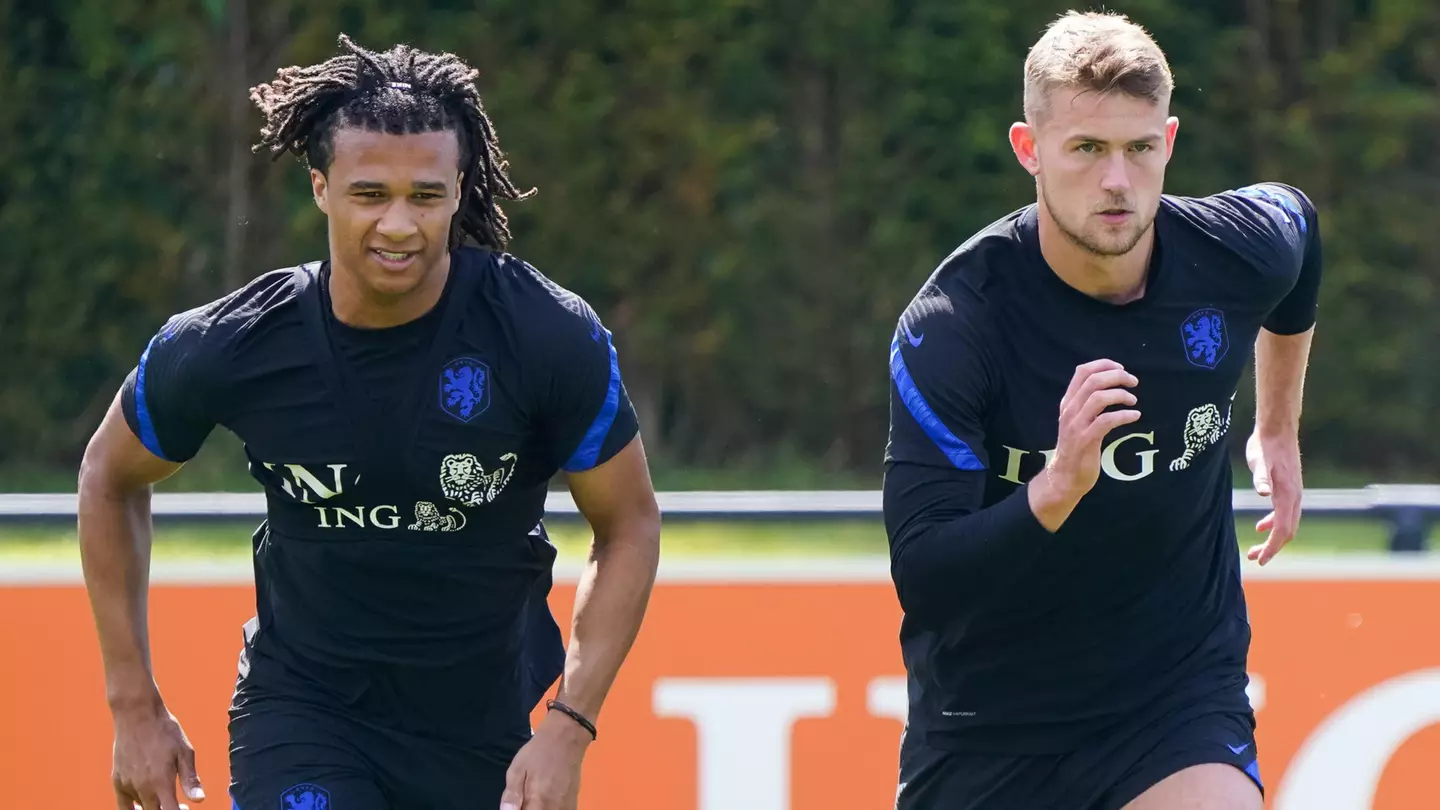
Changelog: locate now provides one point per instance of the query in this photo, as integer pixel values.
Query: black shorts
(291, 755)
(311, 736)
(1104, 775)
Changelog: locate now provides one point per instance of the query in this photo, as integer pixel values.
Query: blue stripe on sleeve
(954, 449)
(588, 452)
(142, 410)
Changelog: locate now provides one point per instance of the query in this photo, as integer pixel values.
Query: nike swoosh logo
(910, 336)
(1236, 750)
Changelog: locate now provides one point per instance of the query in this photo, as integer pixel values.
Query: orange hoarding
(771, 693)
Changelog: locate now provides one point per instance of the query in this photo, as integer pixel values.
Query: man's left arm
(618, 501)
(594, 437)
(1282, 352)
(1273, 450)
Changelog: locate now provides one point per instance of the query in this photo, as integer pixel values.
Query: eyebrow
(1096, 139)
(372, 185)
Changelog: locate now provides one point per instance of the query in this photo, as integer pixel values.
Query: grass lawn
(681, 539)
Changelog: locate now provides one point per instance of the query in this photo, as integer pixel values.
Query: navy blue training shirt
(1020, 641)
(405, 471)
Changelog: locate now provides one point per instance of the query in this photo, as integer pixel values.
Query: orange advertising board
(772, 692)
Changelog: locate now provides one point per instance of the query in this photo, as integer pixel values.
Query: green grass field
(220, 541)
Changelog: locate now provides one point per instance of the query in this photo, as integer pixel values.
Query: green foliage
(748, 192)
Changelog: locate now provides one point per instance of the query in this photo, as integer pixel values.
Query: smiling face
(1099, 165)
(389, 200)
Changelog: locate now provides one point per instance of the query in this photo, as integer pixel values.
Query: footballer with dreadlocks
(404, 403)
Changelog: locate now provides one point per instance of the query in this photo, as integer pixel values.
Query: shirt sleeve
(940, 382)
(586, 411)
(167, 398)
(946, 546)
(1298, 224)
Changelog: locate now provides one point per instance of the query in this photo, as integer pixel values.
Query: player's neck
(1112, 279)
(358, 305)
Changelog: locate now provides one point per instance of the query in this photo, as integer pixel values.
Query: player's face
(1099, 165)
(390, 199)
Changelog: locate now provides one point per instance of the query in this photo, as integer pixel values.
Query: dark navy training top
(405, 471)
(1014, 639)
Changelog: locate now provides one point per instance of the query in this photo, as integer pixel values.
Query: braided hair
(400, 91)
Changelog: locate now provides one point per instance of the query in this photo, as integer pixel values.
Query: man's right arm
(115, 535)
(945, 545)
(156, 422)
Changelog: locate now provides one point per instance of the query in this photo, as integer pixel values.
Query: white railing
(1409, 508)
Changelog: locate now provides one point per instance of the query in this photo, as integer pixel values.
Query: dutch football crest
(305, 797)
(464, 388)
(1206, 341)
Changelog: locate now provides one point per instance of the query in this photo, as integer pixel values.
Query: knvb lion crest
(305, 797)
(1206, 341)
(465, 388)
(464, 479)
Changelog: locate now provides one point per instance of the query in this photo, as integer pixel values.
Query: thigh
(1203, 762)
(288, 758)
(1201, 787)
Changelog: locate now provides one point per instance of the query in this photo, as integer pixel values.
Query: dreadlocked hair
(401, 91)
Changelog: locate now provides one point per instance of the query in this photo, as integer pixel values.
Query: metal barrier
(1410, 509)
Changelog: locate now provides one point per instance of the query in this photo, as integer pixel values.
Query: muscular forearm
(115, 540)
(610, 604)
(1280, 362)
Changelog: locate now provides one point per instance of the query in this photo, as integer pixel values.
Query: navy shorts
(289, 755)
(1104, 775)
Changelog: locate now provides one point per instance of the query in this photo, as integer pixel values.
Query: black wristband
(574, 715)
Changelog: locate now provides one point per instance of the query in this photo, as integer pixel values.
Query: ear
(1022, 142)
(1172, 124)
(319, 186)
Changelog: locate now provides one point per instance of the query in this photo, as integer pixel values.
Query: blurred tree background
(749, 193)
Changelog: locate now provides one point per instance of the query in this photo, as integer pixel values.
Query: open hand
(151, 752)
(1275, 464)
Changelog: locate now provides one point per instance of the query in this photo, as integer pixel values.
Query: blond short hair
(1095, 51)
